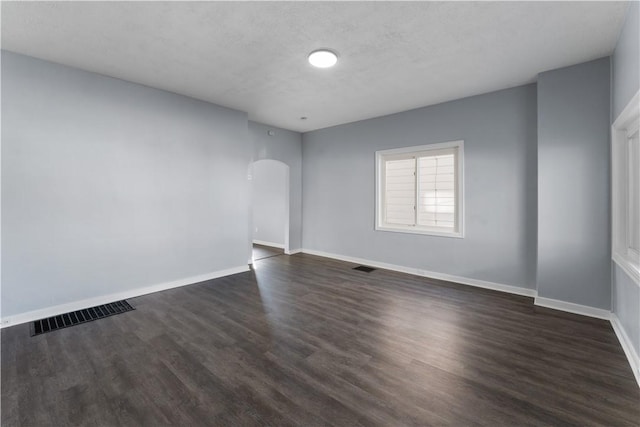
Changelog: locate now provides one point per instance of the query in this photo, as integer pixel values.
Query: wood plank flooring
(261, 252)
(307, 341)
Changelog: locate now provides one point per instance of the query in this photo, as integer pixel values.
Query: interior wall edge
(627, 346)
(516, 290)
(109, 186)
(625, 342)
(270, 244)
(42, 313)
(570, 307)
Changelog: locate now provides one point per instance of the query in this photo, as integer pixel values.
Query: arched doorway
(270, 205)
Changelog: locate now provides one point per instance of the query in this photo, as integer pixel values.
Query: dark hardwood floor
(308, 341)
(262, 252)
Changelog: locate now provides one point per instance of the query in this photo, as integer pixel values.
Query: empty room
(320, 213)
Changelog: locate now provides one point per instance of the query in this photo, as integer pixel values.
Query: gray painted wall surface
(625, 84)
(499, 132)
(573, 185)
(269, 179)
(284, 146)
(626, 61)
(626, 300)
(108, 186)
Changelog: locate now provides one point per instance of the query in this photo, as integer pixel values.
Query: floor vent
(61, 321)
(364, 268)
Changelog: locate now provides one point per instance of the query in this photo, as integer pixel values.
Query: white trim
(629, 114)
(627, 267)
(627, 346)
(272, 244)
(418, 148)
(293, 251)
(416, 230)
(430, 274)
(287, 209)
(570, 307)
(627, 121)
(30, 316)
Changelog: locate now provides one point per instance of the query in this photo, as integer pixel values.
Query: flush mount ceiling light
(323, 58)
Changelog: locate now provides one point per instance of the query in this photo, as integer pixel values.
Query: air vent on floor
(81, 316)
(364, 268)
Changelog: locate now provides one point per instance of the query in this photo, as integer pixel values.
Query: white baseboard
(272, 244)
(293, 251)
(430, 274)
(30, 316)
(627, 346)
(570, 307)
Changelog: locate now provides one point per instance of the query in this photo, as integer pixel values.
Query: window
(419, 189)
(625, 156)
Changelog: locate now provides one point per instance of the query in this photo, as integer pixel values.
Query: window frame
(624, 126)
(633, 129)
(405, 152)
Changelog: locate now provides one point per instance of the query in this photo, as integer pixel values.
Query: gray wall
(108, 186)
(269, 196)
(284, 146)
(574, 259)
(626, 61)
(625, 84)
(499, 132)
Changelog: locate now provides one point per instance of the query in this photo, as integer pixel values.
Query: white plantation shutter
(400, 191)
(418, 189)
(437, 191)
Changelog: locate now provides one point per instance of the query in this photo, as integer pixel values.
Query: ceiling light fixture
(323, 58)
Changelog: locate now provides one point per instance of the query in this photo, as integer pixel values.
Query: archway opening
(270, 209)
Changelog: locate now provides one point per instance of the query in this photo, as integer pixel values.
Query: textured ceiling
(251, 56)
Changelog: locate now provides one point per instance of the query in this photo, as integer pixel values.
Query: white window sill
(632, 270)
(414, 230)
